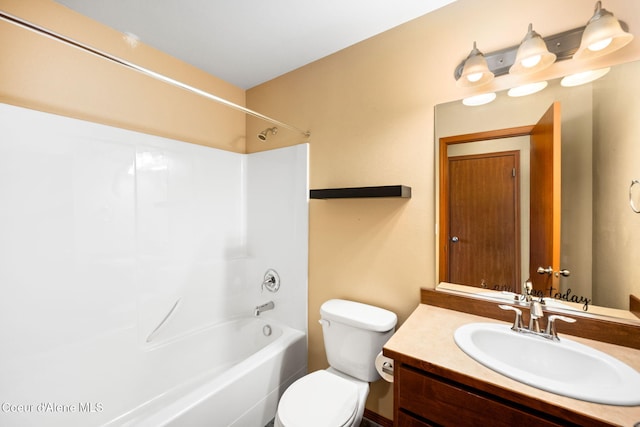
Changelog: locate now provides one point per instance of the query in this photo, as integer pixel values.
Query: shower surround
(104, 231)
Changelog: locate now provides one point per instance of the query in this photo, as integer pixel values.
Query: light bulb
(600, 44)
(531, 61)
(474, 77)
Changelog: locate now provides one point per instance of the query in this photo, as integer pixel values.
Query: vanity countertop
(426, 340)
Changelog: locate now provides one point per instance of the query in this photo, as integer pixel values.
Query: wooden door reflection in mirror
(484, 219)
(544, 237)
(544, 145)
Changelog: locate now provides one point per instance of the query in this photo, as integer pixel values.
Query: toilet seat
(319, 399)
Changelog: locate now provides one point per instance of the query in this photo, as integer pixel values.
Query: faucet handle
(271, 281)
(517, 323)
(551, 325)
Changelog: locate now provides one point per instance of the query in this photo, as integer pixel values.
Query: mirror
(600, 158)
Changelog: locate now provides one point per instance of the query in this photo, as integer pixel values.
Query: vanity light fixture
(603, 32)
(583, 77)
(527, 89)
(532, 55)
(602, 35)
(474, 101)
(475, 71)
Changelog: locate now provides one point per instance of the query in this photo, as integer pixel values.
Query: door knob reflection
(549, 271)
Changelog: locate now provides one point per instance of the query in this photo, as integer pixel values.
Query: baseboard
(376, 418)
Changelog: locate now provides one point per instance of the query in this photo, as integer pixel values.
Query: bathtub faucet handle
(271, 281)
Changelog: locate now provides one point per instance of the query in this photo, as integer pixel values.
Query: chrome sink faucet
(536, 313)
(535, 307)
(264, 307)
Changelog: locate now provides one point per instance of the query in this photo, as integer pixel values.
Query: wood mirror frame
(591, 326)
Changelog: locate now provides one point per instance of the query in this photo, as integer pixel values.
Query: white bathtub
(232, 374)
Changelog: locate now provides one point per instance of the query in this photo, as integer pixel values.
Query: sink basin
(563, 367)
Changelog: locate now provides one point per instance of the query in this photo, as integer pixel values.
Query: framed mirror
(600, 158)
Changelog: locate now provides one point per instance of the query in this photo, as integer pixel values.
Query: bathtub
(231, 374)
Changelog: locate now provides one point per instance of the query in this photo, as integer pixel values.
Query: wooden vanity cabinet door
(405, 420)
(424, 399)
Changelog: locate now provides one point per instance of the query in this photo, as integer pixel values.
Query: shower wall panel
(103, 231)
(278, 228)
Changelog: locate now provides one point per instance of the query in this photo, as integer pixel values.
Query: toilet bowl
(321, 399)
(354, 334)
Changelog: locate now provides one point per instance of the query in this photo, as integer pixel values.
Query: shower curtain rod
(59, 37)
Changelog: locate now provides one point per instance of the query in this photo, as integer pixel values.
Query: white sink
(563, 367)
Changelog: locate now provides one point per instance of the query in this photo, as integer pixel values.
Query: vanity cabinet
(425, 399)
(437, 384)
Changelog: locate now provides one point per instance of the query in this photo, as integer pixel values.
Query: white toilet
(354, 334)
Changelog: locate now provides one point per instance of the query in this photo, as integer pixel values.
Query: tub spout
(264, 307)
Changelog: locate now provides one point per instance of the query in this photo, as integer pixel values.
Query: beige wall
(370, 109)
(43, 74)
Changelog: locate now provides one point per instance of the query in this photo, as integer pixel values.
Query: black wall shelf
(400, 191)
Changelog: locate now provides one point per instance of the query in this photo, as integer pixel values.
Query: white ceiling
(248, 42)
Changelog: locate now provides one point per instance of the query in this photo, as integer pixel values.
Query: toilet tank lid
(359, 315)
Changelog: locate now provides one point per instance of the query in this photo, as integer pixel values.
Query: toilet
(354, 334)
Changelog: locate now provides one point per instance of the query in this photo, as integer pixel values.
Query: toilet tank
(354, 334)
